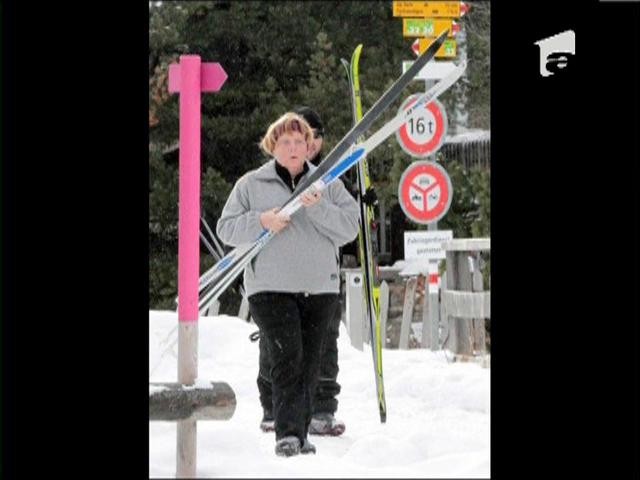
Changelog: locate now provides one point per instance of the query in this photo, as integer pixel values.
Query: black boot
(268, 423)
(307, 447)
(326, 424)
(288, 446)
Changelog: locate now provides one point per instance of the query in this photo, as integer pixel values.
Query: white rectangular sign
(426, 244)
(434, 70)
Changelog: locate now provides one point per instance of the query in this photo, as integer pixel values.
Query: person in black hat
(314, 121)
(325, 404)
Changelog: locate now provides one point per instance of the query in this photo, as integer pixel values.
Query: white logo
(555, 52)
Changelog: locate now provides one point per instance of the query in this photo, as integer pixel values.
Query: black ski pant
(327, 389)
(293, 328)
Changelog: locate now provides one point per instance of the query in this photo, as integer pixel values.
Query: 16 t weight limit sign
(424, 133)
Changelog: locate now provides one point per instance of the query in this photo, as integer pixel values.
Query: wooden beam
(467, 244)
(407, 312)
(467, 304)
(174, 401)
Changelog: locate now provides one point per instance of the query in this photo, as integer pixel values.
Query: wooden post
(426, 320)
(452, 326)
(464, 299)
(444, 317)
(189, 217)
(479, 337)
(186, 448)
(431, 310)
(407, 312)
(190, 78)
(464, 343)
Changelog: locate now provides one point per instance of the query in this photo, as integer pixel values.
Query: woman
(293, 284)
(325, 403)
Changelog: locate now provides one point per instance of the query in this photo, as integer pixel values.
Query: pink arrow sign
(455, 28)
(464, 8)
(190, 78)
(212, 77)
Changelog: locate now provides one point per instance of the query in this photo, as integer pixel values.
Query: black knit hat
(312, 118)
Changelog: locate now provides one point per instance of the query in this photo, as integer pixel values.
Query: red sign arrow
(415, 47)
(455, 28)
(464, 8)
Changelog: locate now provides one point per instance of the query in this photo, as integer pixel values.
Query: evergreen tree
(277, 55)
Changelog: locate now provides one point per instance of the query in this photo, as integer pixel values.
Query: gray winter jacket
(303, 257)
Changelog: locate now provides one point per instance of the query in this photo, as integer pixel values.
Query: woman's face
(291, 151)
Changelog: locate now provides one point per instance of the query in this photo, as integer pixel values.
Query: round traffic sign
(424, 133)
(425, 192)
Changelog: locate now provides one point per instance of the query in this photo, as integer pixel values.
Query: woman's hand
(310, 198)
(272, 221)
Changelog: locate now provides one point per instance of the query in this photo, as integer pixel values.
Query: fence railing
(457, 323)
(463, 304)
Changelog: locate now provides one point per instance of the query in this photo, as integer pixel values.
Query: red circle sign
(425, 192)
(424, 133)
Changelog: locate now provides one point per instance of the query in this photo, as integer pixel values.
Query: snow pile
(437, 421)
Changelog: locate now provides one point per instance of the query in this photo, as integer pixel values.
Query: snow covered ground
(437, 422)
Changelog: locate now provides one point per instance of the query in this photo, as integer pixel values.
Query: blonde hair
(287, 123)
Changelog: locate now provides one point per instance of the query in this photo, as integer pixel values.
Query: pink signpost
(190, 78)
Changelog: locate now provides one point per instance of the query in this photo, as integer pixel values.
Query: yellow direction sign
(430, 9)
(447, 50)
(428, 27)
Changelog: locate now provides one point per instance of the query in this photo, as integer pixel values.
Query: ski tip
(355, 59)
(357, 153)
(383, 417)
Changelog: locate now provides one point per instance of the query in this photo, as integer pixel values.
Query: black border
(75, 242)
(564, 395)
(7, 399)
(563, 403)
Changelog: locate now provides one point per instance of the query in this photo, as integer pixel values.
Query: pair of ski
(215, 249)
(215, 280)
(223, 273)
(371, 285)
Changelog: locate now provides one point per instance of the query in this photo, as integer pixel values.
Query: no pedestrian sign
(424, 133)
(425, 192)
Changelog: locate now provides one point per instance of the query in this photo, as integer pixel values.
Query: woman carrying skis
(293, 284)
(325, 403)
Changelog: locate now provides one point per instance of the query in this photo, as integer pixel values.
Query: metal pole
(431, 287)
